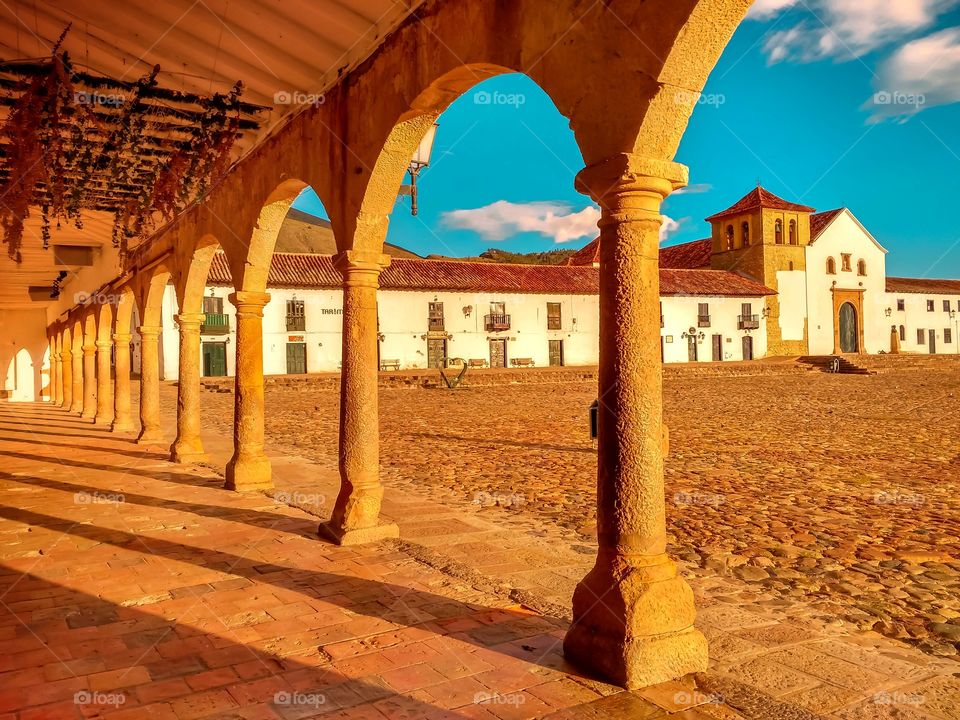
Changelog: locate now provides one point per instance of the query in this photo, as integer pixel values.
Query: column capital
(361, 268)
(192, 320)
(105, 345)
(246, 301)
(89, 349)
(610, 180)
(149, 332)
(120, 338)
(66, 353)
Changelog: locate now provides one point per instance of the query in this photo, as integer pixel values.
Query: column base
(87, 416)
(248, 474)
(108, 421)
(187, 454)
(358, 536)
(633, 623)
(150, 437)
(121, 426)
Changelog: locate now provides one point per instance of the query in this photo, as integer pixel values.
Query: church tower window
(793, 232)
(778, 232)
(729, 237)
(745, 233)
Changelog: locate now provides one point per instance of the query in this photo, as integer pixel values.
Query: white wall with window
(704, 329)
(926, 322)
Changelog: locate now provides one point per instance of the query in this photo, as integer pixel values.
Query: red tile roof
(587, 255)
(688, 256)
(759, 198)
(819, 222)
(317, 271)
(923, 285)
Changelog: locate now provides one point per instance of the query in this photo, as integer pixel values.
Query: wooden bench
(477, 363)
(522, 362)
(389, 364)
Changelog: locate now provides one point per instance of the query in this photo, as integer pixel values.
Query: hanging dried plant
(68, 151)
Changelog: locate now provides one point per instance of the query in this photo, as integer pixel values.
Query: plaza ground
(815, 515)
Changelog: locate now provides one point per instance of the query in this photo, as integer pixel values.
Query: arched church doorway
(849, 334)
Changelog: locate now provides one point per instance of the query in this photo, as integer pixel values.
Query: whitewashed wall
(915, 316)
(680, 315)
(845, 235)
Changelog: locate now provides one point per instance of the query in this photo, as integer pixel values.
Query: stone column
(104, 384)
(355, 517)
(77, 394)
(122, 418)
(632, 614)
(249, 468)
(56, 378)
(89, 382)
(66, 372)
(188, 447)
(150, 432)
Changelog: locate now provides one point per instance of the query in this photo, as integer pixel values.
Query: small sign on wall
(294, 338)
(668, 338)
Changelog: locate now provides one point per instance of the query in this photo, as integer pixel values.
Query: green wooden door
(296, 358)
(214, 359)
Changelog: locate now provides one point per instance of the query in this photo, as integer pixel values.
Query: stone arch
(150, 284)
(191, 278)
(123, 311)
(104, 317)
(665, 55)
(89, 327)
(249, 252)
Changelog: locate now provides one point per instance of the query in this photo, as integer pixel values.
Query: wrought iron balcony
(215, 324)
(496, 322)
(296, 323)
(703, 321)
(748, 322)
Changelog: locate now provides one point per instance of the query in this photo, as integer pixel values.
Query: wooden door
(436, 352)
(747, 347)
(692, 348)
(498, 353)
(214, 359)
(932, 334)
(556, 352)
(296, 358)
(717, 348)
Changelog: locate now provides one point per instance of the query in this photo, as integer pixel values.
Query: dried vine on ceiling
(75, 141)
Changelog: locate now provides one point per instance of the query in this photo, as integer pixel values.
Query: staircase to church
(846, 367)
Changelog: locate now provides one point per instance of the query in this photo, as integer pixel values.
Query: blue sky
(825, 102)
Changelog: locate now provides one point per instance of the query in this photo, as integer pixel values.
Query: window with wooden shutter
(554, 319)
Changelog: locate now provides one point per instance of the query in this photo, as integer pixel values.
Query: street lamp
(420, 160)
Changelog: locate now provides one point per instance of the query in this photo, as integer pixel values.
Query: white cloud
(765, 9)
(502, 219)
(694, 189)
(669, 228)
(847, 29)
(920, 74)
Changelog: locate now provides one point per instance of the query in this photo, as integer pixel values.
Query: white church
(775, 278)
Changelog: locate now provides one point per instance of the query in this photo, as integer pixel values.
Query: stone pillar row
(89, 407)
(187, 447)
(104, 414)
(150, 430)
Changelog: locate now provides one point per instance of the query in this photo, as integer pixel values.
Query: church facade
(775, 278)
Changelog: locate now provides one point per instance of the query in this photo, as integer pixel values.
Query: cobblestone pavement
(828, 496)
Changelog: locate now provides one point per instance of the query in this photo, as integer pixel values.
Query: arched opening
(903, 333)
(745, 234)
(778, 232)
(19, 384)
(862, 268)
(831, 266)
(849, 330)
(793, 232)
(730, 243)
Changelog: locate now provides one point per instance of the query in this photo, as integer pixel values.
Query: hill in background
(493, 255)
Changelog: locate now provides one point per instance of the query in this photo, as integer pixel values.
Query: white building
(775, 278)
